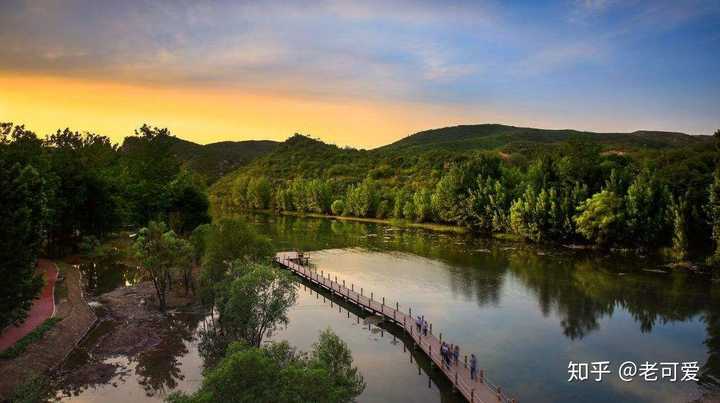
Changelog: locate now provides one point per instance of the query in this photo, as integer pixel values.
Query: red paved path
(42, 308)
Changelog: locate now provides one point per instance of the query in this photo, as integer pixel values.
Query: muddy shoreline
(130, 329)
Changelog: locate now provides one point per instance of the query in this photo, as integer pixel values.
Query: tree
(601, 217)
(445, 199)
(283, 200)
(22, 201)
(186, 203)
(82, 172)
(362, 200)
(679, 216)
(161, 254)
(486, 208)
(332, 353)
(258, 193)
(713, 212)
(150, 164)
(423, 205)
(278, 373)
(646, 212)
(255, 301)
(319, 194)
(338, 206)
(226, 241)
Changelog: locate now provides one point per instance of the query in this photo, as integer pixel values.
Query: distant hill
(421, 158)
(304, 157)
(216, 159)
(511, 138)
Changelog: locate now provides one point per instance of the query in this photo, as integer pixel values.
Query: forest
(66, 191)
(607, 191)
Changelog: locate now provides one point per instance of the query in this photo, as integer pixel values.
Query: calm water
(524, 311)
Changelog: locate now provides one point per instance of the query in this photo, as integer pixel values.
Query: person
(444, 354)
(473, 366)
(456, 354)
(425, 328)
(418, 323)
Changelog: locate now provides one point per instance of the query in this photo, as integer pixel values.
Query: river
(525, 311)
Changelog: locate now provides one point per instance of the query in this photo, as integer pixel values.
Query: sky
(358, 73)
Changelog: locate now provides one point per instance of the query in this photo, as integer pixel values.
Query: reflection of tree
(579, 287)
(158, 369)
(710, 371)
(105, 274)
(582, 290)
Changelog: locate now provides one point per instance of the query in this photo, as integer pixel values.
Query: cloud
(450, 54)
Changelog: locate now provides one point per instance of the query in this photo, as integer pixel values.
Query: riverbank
(394, 222)
(45, 354)
(130, 326)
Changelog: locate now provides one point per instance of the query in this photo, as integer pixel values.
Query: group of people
(450, 353)
(422, 325)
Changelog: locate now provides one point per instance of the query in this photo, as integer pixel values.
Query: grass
(34, 390)
(29, 338)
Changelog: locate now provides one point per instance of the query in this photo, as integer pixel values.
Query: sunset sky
(358, 73)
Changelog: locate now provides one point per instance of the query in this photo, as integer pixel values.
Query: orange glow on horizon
(206, 115)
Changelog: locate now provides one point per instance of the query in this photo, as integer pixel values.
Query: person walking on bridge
(473, 366)
(418, 323)
(445, 354)
(425, 328)
(456, 354)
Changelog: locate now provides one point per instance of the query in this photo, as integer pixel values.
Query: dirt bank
(130, 325)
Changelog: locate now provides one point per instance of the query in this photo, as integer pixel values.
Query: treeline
(574, 193)
(70, 188)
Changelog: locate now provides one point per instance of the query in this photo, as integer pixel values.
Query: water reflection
(91, 375)
(665, 314)
(104, 274)
(525, 311)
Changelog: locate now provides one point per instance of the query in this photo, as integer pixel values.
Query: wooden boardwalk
(479, 390)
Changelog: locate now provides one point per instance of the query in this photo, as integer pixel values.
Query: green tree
(646, 211)
(161, 254)
(713, 212)
(601, 218)
(330, 352)
(259, 193)
(278, 373)
(319, 194)
(22, 201)
(283, 200)
(679, 216)
(255, 301)
(446, 199)
(226, 241)
(186, 203)
(338, 206)
(487, 207)
(149, 164)
(361, 200)
(422, 205)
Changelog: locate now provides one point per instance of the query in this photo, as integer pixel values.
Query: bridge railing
(466, 385)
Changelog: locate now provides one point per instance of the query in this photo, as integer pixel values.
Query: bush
(338, 207)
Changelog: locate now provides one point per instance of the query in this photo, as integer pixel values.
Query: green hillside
(216, 159)
(511, 138)
(557, 185)
(422, 157)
